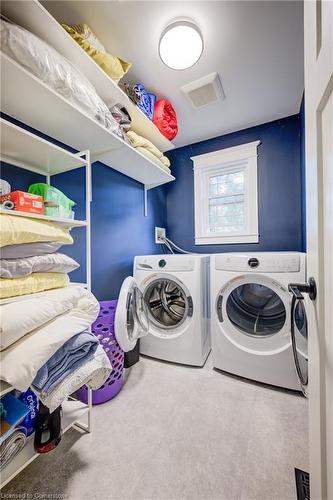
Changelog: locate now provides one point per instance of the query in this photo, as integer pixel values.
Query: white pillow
(48, 263)
(29, 249)
(21, 361)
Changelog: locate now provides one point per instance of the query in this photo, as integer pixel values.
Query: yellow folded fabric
(153, 158)
(15, 230)
(138, 141)
(35, 282)
(115, 67)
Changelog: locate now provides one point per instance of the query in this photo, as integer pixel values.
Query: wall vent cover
(204, 91)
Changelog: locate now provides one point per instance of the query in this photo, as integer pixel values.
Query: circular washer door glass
(256, 310)
(167, 303)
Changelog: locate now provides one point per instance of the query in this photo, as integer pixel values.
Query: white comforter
(35, 328)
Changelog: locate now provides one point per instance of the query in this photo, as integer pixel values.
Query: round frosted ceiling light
(181, 45)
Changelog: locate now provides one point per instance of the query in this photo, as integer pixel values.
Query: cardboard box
(24, 202)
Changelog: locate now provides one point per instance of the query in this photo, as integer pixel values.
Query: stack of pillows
(30, 261)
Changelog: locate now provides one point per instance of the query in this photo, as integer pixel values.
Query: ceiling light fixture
(181, 45)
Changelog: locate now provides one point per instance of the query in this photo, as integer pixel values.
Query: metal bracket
(145, 200)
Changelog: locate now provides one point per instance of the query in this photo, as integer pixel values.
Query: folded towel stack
(69, 357)
(148, 149)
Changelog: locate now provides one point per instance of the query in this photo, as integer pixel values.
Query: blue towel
(73, 354)
(147, 101)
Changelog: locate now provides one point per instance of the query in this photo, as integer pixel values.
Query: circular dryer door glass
(256, 310)
(167, 303)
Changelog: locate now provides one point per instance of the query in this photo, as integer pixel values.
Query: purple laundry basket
(103, 328)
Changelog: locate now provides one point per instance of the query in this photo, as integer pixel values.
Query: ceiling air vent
(204, 91)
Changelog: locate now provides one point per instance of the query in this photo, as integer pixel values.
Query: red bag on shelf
(24, 202)
(165, 118)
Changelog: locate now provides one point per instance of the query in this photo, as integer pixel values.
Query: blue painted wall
(279, 188)
(302, 162)
(119, 229)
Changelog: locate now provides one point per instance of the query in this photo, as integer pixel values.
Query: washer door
(131, 320)
(254, 307)
(169, 305)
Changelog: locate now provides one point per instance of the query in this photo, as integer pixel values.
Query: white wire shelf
(70, 125)
(31, 15)
(26, 150)
(70, 223)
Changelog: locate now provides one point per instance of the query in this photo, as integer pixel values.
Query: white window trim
(243, 157)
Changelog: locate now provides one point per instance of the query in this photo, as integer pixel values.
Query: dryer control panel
(259, 262)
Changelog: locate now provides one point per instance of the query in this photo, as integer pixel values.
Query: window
(225, 194)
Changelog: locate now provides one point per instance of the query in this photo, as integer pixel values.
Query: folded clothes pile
(29, 262)
(12, 446)
(148, 149)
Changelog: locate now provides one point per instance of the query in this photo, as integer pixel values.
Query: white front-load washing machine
(251, 316)
(166, 305)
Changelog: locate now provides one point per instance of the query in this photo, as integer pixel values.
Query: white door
(318, 38)
(131, 320)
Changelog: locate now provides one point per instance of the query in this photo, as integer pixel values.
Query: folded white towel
(93, 374)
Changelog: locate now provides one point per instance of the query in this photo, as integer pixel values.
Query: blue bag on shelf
(147, 101)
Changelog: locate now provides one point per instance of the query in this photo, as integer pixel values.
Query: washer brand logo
(162, 263)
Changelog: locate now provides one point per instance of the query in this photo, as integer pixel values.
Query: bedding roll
(165, 119)
(48, 263)
(15, 230)
(35, 282)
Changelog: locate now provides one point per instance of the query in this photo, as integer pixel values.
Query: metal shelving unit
(30, 152)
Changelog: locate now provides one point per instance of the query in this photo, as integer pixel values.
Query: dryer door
(253, 312)
(131, 320)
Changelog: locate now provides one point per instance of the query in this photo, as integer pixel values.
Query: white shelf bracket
(145, 200)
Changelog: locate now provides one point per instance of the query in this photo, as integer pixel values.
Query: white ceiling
(255, 46)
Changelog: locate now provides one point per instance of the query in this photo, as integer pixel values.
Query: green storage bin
(56, 203)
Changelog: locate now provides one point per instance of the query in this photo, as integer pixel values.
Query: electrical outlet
(159, 233)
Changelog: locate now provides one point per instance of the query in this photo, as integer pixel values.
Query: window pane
(226, 214)
(226, 184)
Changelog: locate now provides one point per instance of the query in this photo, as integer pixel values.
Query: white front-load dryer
(251, 316)
(175, 292)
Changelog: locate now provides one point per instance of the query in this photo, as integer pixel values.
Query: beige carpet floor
(176, 432)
